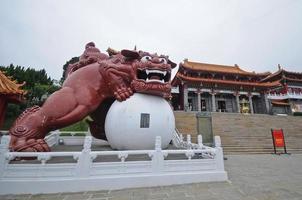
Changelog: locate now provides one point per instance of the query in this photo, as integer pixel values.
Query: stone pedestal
(204, 127)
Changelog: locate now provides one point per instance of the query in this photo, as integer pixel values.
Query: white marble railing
(70, 138)
(284, 96)
(179, 142)
(85, 173)
(66, 137)
(71, 133)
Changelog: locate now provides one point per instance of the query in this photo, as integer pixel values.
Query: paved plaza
(251, 177)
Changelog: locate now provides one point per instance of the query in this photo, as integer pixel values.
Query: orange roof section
(272, 75)
(266, 84)
(281, 70)
(8, 86)
(219, 68)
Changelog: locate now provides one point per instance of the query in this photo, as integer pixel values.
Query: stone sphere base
(133, 124)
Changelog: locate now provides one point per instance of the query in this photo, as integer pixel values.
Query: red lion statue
(91, 86)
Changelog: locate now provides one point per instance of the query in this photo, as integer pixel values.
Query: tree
(71, 61)
(38, 85)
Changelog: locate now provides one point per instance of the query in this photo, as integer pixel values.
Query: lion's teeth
(155, 80)
(155, 71)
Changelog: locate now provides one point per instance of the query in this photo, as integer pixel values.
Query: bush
(79, 126)
(297, 113)
(8, 122)
(69, 134)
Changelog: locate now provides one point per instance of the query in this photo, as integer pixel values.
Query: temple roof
(282, 72)
(219, 68)
(198, 79)
(9, 86)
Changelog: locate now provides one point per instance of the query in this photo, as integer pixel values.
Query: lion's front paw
(29, 145)
(122, 93)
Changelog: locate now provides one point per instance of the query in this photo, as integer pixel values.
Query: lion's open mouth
(153, 75)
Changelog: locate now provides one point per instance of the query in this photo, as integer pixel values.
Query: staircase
(247, 134)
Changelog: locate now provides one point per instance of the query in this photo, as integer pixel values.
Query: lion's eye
(163, 60)
(146, 58)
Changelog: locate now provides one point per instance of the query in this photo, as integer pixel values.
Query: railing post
(189, 142)
(84, 161)
(4, 149)
(219, 154)
(199, 140)
(181, 138)
(57, 136)
(157, 157)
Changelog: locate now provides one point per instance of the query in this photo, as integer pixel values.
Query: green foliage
(30, 76)
(79, 126)
(37, 84)
(7, 123)
(69, 134)
(71, 61)
(297, 113)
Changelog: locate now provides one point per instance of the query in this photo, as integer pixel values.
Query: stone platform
(252, 177)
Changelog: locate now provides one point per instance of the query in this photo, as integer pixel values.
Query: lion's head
(152, 72)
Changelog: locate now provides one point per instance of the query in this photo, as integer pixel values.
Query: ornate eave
(11, 89)
(213, 68)
(229, 82)
(282, 74)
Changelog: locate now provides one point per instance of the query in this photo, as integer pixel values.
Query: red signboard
(278, 139)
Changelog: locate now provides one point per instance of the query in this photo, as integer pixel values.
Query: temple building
(221, 88)
(287, 98)
(10, 92)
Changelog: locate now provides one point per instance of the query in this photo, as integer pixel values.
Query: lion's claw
(30, 145)
(123, 93)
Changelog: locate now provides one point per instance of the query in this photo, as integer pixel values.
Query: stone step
(246, 133)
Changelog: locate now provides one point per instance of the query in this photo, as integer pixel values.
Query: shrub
(297, 113)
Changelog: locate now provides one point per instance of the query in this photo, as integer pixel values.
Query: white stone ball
(134, 124)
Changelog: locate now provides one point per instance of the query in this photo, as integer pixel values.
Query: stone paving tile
(105, 198)
(77, 196)
(15, 197)
(120, 198)
(98, 192)
(177, 194)
(180, 198)
(99, 195)
(47, 196)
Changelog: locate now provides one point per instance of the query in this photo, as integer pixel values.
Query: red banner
(278, 138)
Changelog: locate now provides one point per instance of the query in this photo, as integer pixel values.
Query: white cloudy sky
(255, 34)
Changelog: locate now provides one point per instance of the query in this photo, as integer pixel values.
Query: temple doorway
(203, 105)
(221, 106)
